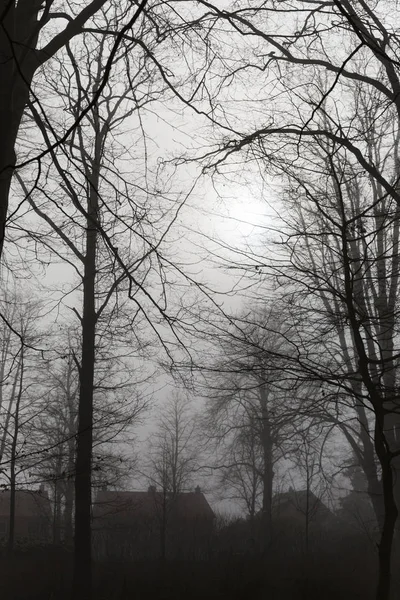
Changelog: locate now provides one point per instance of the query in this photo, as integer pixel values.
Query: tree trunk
(365, 453)
(19, 24)
(386, 541)
(13, 477)
(11, 530)
(19, 59)
(163, 537)
(82, 578)
(68, 510)
(268, 474)
(8, 414)
(69, 483)
(82, 544)
(56, 514)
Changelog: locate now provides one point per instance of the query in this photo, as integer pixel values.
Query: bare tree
(242, 479)
(20, 391)
(173, 457)
(251, 403)
(26, 44)
(294, 47)
(309, 463)
(116, 412)
(94, 263)
(126, 224)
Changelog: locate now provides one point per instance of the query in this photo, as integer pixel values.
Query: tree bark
(57, 512)
(268, 474)
(69, 483)
(19, 59)
(382, 449)
(13, 477)
(386, 542)
(82, 578)
(18, 39)
(68, 511)
(163, 537)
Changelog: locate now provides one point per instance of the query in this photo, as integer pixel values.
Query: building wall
(116, 538)
(32, 529)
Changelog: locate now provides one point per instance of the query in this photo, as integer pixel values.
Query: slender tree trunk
(68, 511)
(386, 542)
(56, 514)
(163, 540)
(368, 459)
(11, 527)
(267, 504)
(308, 490)
(369, 466)
(13, 457)
(8, 414)
(82, 544)
(69, 494)
(268, 474)
(5, 345)
(69, 483)
(82, 579)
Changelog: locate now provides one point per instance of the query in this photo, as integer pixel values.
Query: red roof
(28, 503)
(188, 505)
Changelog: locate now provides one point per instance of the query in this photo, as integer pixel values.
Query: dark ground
(346, 572)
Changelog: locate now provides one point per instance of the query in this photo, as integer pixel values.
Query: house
(357, 512)
(300, 506)
(151, 524)
(32, 516)
(301, 519)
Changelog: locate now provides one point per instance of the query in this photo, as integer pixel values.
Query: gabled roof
(302, 502)
(148, 505)
(28, 503)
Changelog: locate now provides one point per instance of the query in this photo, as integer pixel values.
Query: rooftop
(301, 501)
(28, 503)
(189, 505)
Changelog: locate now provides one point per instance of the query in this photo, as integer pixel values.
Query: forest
(199, 299)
